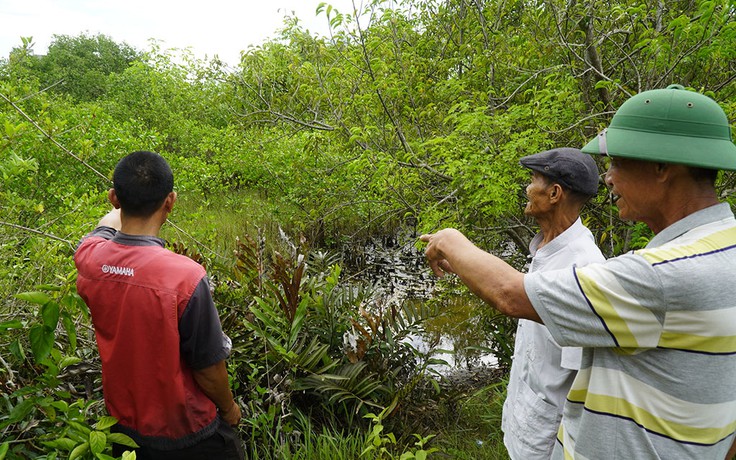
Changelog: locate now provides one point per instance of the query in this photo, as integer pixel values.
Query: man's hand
(490, 278)
(435, 256)
(232, 415)
(111, 219)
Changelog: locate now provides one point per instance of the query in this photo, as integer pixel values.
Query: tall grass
(316, 446)
(216, 222)
(477, 434)
(474, 433)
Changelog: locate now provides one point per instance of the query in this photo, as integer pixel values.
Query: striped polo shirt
(658, 327)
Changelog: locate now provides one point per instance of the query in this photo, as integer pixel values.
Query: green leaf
(80, 428)
(128, 455)
(97, 441)
(44, 402)
(17, 350)
(9, 128)
(61, 443)
(437, 362)
(71, 330)
(12, 324)
(79, 451)
(21, 410)
(73, 302)
(104, 457)
(122, 439)
(296, 325)
(105, 422)
(267, 315)
(49, 287)
(436, 386)
(39, 298)
(68, 361)
(42, 340)
(50, 314)
(60, 405)
(4, 449)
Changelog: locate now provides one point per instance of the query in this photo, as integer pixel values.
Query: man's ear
(663, 171)
(555, 193)
(169, 202)
(113, 198)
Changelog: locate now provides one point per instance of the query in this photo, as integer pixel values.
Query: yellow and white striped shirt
(658, 327)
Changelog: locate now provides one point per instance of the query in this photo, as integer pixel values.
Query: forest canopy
(414, 114)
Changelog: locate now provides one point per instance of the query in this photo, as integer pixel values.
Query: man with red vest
(159, 335)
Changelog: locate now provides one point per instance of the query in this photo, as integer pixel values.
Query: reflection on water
(459, 333)
(400, 274)
(395, 265)
(456, 357)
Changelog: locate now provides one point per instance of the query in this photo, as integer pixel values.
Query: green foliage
(45, 409)
(296, 315)
(80, 66)
(473, 430)
(380, 444)
(82, 441)
(410, 115)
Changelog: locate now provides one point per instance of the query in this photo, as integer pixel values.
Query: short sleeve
(202, 341)
(618, 303)
(103, 232)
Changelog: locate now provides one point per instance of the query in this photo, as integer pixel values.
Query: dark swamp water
(398, 271)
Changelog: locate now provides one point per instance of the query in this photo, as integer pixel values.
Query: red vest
(136, 295)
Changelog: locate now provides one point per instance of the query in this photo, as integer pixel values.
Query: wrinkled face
(537, 192)
(632, 184)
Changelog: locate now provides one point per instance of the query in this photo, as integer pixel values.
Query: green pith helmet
(670, 125)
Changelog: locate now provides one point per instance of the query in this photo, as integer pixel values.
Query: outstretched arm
(490, 278)
(111, 219)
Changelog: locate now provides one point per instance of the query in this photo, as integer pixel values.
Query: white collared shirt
(542, 371)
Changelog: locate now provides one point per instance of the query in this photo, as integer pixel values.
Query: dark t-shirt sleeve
(202, 341)
(102, 231)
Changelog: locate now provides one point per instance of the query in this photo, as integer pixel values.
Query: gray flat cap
(566, 166)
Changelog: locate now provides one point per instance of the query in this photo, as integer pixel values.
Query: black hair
(703, 174)
(142, 181)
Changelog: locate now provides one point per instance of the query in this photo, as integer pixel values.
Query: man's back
(137, 293)
(159, 335)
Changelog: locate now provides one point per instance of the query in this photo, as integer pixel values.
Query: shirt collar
(707, 215)
(560, 241)
(138, 240)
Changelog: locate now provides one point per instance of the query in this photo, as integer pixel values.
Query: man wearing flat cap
(562, 181)
(657, 325)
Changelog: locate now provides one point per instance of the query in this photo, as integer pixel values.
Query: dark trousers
(224, 444)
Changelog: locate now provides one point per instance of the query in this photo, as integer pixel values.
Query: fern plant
(297, 311)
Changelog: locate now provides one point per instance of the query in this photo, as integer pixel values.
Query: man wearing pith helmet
(657, 325)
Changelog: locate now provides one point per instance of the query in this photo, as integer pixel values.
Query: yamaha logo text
(112, 269)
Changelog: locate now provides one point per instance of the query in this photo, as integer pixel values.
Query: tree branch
(37, 232)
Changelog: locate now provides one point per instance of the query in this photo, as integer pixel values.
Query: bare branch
(37, 232)
(518, 88)
(51, 138)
